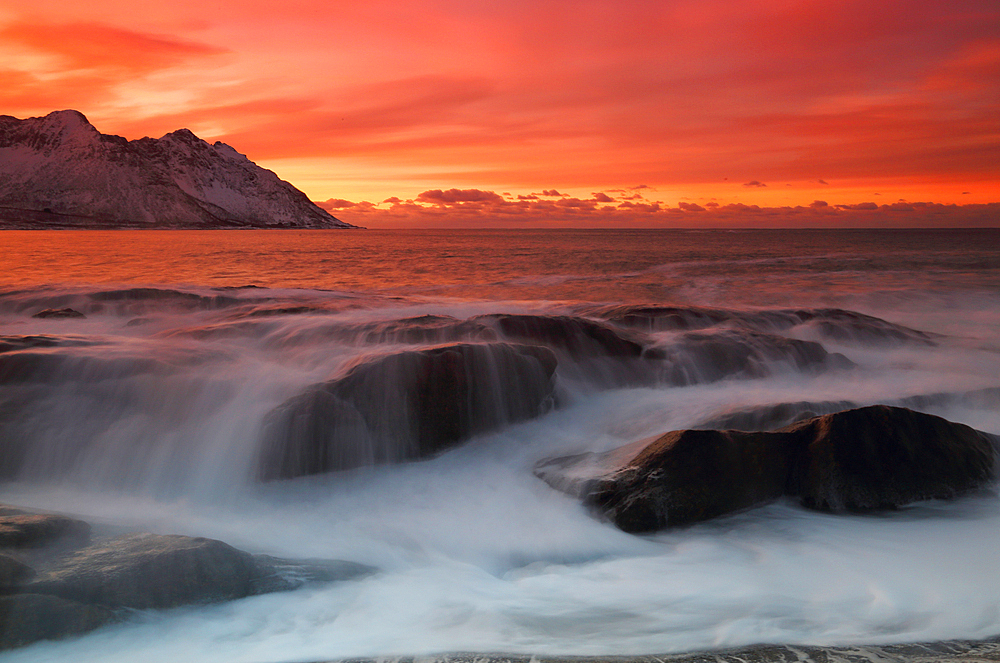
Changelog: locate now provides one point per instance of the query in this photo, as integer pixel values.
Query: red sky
(628, 111)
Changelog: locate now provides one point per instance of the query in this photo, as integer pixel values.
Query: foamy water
(147, 414)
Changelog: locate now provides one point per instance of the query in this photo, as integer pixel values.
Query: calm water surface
(733, 267)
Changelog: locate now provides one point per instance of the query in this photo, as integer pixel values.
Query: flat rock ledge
(58, 581)
(950, 651)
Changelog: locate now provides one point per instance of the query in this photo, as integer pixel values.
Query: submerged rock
(773, 415)
(876, 457)
(405, 406)
(698, 357)
(68, 587)
(579, 337)
(274, 574)
(144, 571)
(828, 323)
(59, 313)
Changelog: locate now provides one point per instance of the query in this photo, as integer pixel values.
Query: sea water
(147, 415)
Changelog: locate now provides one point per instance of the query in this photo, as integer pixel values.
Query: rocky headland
(58, 171)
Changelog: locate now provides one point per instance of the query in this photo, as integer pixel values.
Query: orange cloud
(100, 46)
(387, 99)
(465, 208)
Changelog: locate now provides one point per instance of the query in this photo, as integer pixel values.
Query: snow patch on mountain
(59, 171)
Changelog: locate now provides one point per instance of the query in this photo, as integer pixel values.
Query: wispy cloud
(463, 208)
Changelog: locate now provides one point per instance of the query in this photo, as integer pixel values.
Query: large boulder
(144, 571)
(61, 586)
(876, 457)
(679, 478)
(885, 457)
(405, 406)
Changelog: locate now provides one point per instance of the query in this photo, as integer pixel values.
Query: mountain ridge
(59, 171)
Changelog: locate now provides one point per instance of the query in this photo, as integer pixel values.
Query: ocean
(149, 414)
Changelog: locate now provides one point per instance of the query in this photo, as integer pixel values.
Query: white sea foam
(475, 553)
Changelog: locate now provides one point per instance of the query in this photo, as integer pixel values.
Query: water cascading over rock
(877, 457)
(406, 406)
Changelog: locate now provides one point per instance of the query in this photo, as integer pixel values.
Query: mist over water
(150, 414)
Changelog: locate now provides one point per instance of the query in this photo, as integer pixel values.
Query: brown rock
(145, 571)
(25, 530)
(405, 406)
(579, 337)
(885, 457)
(679, 478)
(876, 457)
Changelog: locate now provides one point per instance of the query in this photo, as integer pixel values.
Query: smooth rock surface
(679, 478)
(145, 571)
(884, 457)
(876, 457)
(405, 406)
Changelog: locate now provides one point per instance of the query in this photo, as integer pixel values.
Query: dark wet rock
(28, 618)
(884, 457)
(697, 357)
(275, 574)
(828, 323)
(14, 343)
(238, 329)
(150, 571)
(853, 327)
(405, 406)
(774, 415)
(987, 398)
(665, 318)
(72, 587)
(41, 366)
(877, 457)
(419, 330)
(271, 311)
(13, 573)
(579, 337)
(679, 478)
(27, 530)
(424, 329)
(59, 313)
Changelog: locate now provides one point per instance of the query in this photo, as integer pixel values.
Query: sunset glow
(632, 112)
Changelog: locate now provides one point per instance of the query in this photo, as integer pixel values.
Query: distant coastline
(13, 218)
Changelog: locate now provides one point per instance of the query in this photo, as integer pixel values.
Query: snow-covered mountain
(59, 171)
